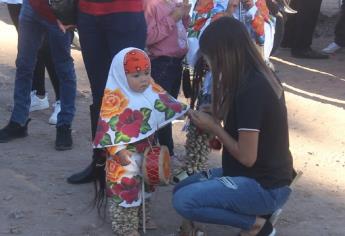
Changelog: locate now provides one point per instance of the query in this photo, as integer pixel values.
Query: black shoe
(91, 172)
(83, 177)
(63, 138)
(267, 230)
(308, 53)
(12, 131)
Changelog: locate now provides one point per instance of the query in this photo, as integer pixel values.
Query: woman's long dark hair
(230, 52)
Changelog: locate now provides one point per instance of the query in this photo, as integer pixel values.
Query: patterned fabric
(136, 61)
(258, 22)
(127, 116)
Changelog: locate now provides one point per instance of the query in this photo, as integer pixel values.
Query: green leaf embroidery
(159, 105)
(120, 137)
(145, 127)
(106, 140)
(169, 114)
(131, 147)
(146, 113)
(113, 121)
(117, 199)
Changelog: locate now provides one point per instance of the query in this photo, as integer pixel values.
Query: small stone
(8, 198)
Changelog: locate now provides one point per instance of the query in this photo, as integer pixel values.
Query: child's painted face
(139, 81)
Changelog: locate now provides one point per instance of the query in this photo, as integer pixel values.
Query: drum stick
(144, 210)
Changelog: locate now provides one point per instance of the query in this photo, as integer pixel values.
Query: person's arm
(160, 26)
(244, 150)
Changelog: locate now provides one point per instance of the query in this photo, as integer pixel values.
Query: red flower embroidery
(127, 190)
(199, 23)
(170, 102)
(102, 129)
(130, 122)
(204, 6)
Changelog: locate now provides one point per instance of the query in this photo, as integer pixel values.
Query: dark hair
(231, 53)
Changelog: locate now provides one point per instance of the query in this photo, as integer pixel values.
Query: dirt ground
(35, 199)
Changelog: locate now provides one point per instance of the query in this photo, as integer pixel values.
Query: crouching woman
(257, 166)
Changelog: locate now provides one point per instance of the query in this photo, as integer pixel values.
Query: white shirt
(12, 1)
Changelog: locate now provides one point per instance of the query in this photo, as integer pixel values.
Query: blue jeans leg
(167, 73)
(30, 38)
(60, 47)
(32, 29)
(233, 201)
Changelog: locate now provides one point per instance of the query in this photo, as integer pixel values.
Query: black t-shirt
(257, 107)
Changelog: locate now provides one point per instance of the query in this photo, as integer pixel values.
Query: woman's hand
(203, 121)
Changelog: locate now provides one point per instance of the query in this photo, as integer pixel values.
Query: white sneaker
(38, 103)
(331, 48)
(53, 117)
(76, 41)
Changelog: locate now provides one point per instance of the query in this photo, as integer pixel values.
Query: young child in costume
(133, 108)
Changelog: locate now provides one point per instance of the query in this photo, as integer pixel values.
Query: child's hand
(123, 157)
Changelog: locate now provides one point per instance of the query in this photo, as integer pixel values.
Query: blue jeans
(32, 29)
(167, 72)
(101, 38)
(212, 198)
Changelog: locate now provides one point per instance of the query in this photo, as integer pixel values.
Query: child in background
(133, 108)
(167, 21)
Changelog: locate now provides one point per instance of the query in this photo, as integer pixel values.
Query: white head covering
(127, 116)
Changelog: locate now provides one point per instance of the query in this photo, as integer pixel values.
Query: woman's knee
(182, 203)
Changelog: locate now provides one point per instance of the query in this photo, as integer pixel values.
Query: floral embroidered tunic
(127, 120)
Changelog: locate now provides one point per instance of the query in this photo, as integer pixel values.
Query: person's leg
(233, 201)
(29, 41)
(38, 81)
(124, 192)
(49, 65)
(39, 98)
(289, 29)
(199, 177)
(306, 20)
(60, 47)
(340, 27)
(14, 11)
(31, 34)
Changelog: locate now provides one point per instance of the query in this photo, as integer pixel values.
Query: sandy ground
(35, 199)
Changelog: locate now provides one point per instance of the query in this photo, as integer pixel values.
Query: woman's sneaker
(38, 103)
(331, 48)
(53, 117)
